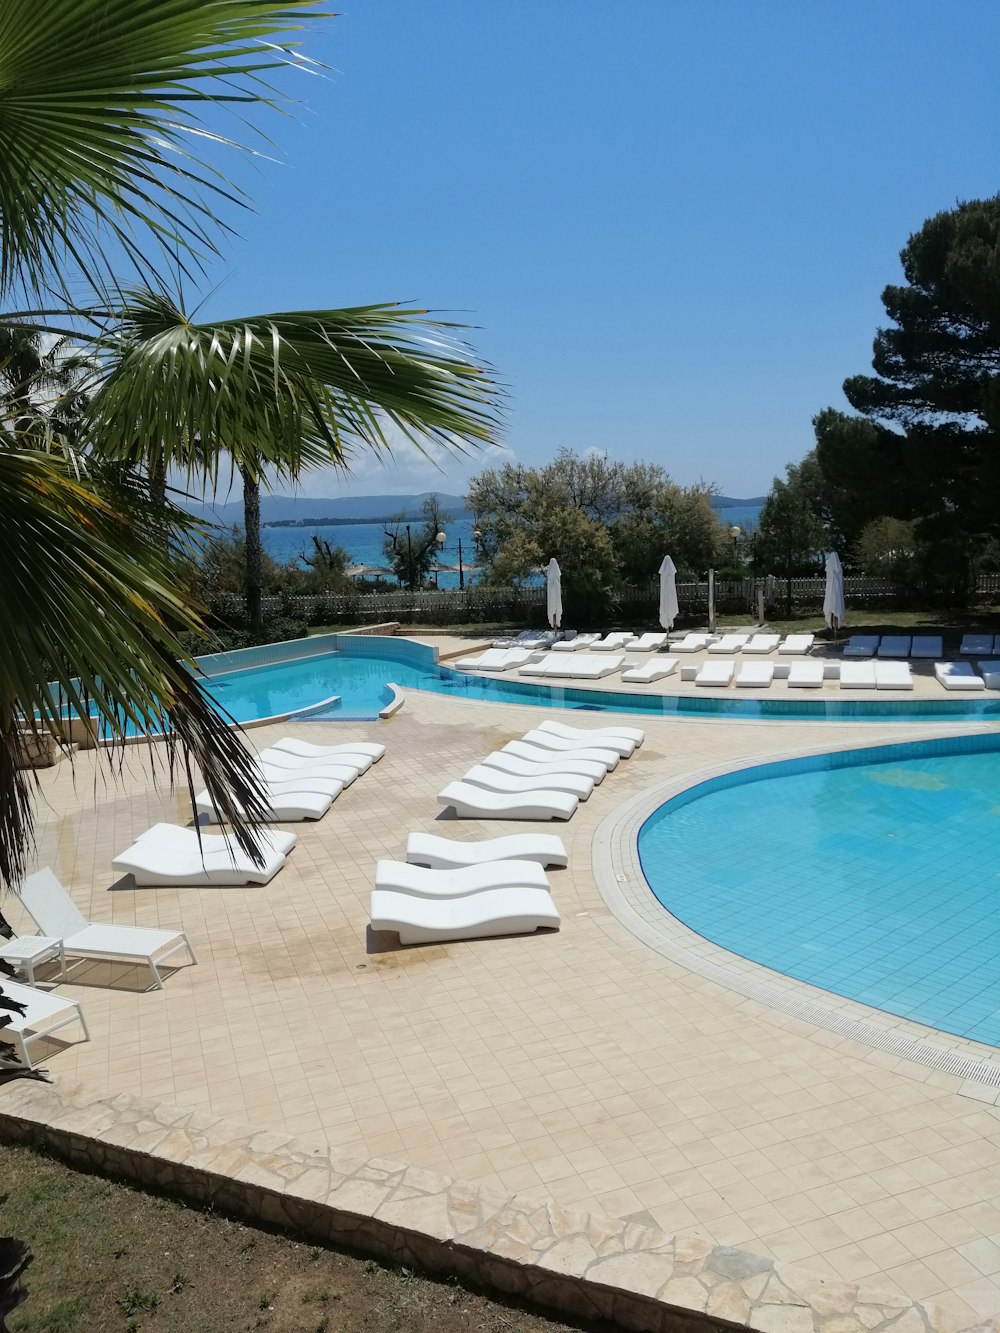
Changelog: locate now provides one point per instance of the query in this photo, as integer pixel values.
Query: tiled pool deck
(588, 1066)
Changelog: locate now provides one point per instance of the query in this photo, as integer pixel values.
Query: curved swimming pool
(874, 874)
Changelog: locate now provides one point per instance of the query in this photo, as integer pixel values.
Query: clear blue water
(877, 881)
(364, 542)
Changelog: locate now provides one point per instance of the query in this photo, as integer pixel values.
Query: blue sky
(671, 221)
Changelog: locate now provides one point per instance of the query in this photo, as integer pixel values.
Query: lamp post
(409, 559)
(441, 538)
(736, 533)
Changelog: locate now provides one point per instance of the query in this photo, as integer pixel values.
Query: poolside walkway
(581, 1065)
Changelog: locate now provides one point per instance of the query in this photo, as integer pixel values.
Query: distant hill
(728, 502)
(311, 512)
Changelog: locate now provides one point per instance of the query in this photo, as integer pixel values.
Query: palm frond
(103, 148)
(285, 391)
(91, 610)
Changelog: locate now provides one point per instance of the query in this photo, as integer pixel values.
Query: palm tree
(100, 123)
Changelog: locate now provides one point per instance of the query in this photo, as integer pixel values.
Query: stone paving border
(622, 885)
(563, 1260)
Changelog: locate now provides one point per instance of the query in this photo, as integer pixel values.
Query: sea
(363, 541)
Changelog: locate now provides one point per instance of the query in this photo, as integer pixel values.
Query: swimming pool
(871, 874)
(360, 671)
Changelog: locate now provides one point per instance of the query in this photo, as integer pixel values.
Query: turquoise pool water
(879, 881)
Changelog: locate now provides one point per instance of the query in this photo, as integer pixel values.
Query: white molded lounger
(861, 645)
(729, 643)
(756, 675)
(613, 642)
(426, 849)
(543, 754)
(574, 645)
(294, 766)
(538, 665)
(456, 882)
(287, 804)
(497, 659)
(806, 675)
(167, 854)
(310, 779)
(927, 645)
(44, 1014)
(477, 916)
(797, 643)
(648, 643)
(306, 750)
(691, 643)
(958, 676)
(857, 676)
(650, 671)
(546, 740)
(585, 666)
(893, 676)
(762, 643)
(894, 645)
(717, 675)
(56, 915)
(494, 779)
(586, 735)
(977, 645)
(472, 802)
(529, 768)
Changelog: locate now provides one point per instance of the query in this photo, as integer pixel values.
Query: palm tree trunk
(254, 559)
(158, 484)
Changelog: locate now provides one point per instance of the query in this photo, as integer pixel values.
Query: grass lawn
(107, 1257)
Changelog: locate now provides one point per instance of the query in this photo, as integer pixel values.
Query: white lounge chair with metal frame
(529, 768)
(44, 1014)
(495, 779)
(715, 675)
(762, 643)
(544, 754)
(426, 849)
(796, 643)
(306, 749)
(470, 802)
(755, 675)
(587, 735)
(958, 676)
(476, 916)
(729, 643)
(54, 911)
(457, 881)
(657, 669)
(168, 855)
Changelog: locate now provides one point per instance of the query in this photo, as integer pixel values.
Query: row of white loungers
(752, 644)
(962, 675)
(894, 646)
(806, 675)
(980, 645)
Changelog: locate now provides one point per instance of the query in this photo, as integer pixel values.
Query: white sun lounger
(585, 666)
(976, 645)
(857, 676)
(691, 643)
(306, 750)
(56, 915)
(958, 676)
(861, 645)
(576, 644)
(472, 802)
(613, 642)
(716, 675)
(893, 676)
(528, 638)
(287, 803)
(344, 767)
(927, 645)
(650, 671)
(310, 779)
(529, 768)
(542, 666)
(494, 779)
(589, 735)
(756, 675)
(547, 740)
(729, 643)
(44, 1014)
(991, 674)
(796, 643)
(894, 645)
(497, 659)
(456, 882)
(762, 643)
(426, 849)
(476, 916)
(649, 642)
(806, 675)
(167, 854)
(544, 754)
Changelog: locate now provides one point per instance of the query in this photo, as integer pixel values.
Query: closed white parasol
(668, 592)
(553, 593)
(833, 600)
